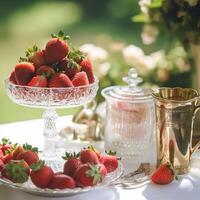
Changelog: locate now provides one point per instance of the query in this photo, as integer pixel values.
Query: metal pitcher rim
(155, 94)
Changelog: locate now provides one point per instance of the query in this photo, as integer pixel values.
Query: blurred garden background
(106, 29)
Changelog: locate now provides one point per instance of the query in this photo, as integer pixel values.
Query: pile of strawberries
(58, 65)
(86, 168)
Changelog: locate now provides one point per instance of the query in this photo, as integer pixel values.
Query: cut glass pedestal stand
(50, 99)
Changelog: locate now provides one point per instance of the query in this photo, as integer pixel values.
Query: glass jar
(130, 123)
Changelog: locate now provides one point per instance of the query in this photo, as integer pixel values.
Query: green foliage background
(102, 22)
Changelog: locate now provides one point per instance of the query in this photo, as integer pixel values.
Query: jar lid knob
(132, 80)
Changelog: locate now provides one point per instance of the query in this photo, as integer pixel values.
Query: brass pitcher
(175, 112)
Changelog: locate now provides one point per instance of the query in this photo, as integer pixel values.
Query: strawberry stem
(61, 35)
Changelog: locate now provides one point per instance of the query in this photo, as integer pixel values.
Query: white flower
(132, 54)
(94, 52)
(144, 5)
(102, 69)
(135, 56)
(149, 34)
(192, 2)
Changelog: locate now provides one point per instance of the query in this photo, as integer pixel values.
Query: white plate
(30, 188)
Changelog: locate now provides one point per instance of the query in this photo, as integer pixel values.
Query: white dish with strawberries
(21, 168)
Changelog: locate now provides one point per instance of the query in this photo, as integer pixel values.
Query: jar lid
(132, 92)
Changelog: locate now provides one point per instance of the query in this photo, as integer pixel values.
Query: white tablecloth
(187, 187)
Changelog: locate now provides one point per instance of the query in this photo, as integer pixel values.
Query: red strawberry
(45, 71)
(2, 165)
(69, 67)
(88, 175)
(12, 78)
(1, 154)
(4, 173)
(86, 66)
(103, 170)
(56, 48)
(36, 56)
(109, 161)
(95, 150)
(72, 163)
(7, 158)
(17, 151)
(164, 174)
(60, 80)
(38, 81)
(80, 79)
(30, 154)
(88, 156)
(17, 170)
(41, 174)
(61, 181)
(24, 72)
(5, 145)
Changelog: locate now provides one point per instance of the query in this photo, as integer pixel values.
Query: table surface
(187, 187)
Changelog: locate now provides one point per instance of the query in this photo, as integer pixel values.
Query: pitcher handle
(197, 108)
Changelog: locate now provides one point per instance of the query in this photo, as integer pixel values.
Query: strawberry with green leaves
(45, 71)
(88, 175)
(29, 154)
(41, 174)
(110, 161)
(72, 163)
(17, 171)
(89, 156)
(36, 56)
(5, 145)
(69, 67)
(56, 49)
(62, 181)
(163, 175)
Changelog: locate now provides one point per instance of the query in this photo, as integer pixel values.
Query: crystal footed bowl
(51, 99)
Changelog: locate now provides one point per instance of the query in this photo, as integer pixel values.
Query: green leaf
(141, 18)
(156, 4)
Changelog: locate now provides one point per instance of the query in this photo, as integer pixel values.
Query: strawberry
(17, 170)
(5, 145)
(41, 174)
(61, 181)
(88, 175)
(80, 79)
(24, 71)
(103, 170)
(38, 81)
(72, 163)
(109, 161)
(56, 48)
(88, 156)
(1, 154)
(35, 56)
(69, 67)
(4, 173)
(7, 158)
(163, 175)
(30, 154)
(60, 80)
(86, 67)
(91, 147)
(12, 78)
(17, 151)
(45, 71)
(2, 165)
